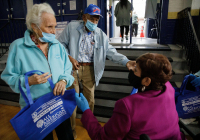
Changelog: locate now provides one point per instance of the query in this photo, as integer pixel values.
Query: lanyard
(80, 84)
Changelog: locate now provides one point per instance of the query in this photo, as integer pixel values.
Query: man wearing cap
(88, 48)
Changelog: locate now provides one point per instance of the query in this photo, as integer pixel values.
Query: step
(135, 57)
(10, 96)
(3, 64)
(100, 111)
(177, 63)
(120, 81)
(109, 95)
(1, 70)
(3, 83)
(179, 75)
(141, 47)
(3, 61)
(4, 57)
(119, 69)
(122, 72)
(137, 52)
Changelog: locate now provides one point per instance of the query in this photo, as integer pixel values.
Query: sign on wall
(72, 5)
(60, 27)
(91, 2)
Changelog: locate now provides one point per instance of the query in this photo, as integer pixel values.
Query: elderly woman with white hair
(39, 50)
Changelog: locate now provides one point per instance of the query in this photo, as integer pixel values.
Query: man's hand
(130, 65)
(38, 79)
(74, 63)
(59, 88)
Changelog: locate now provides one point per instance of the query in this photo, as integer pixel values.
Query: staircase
(114, 84)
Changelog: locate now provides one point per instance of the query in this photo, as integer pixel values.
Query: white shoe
(122, 39)
(126, 38)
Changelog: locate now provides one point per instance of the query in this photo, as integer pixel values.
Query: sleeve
(115, 129)
(116, 10)
(12, 73)
(197, 73)
(132, 7)
(67, 69)
(113, 55)
(64, 37)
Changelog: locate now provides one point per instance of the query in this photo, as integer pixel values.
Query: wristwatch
(64, 81)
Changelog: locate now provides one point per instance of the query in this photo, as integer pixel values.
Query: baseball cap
(93, 10)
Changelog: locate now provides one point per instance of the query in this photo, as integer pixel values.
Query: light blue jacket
(71, 38)
(25, 56)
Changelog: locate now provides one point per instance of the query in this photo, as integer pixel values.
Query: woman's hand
(38, 79)
(81, 102)
(59, 88)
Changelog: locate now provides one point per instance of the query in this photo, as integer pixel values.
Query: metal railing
(186, 37)
(10, 31)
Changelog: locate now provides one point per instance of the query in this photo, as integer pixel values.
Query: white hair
(34, 14)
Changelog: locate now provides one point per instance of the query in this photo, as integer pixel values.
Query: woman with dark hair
(151, 111)
(122, 14)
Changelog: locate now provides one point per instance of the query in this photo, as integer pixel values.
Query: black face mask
(134, 80)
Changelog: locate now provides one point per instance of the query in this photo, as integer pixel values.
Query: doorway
(139, 9)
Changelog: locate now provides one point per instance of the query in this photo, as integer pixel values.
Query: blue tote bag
(38, 118)
(187, 101)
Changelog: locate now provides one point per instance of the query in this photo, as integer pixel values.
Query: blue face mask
(46, 37)
(90, 25)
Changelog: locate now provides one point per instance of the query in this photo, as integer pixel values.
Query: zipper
(46, 59)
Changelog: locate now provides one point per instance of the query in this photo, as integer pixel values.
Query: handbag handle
(184, 84)
(28, 99)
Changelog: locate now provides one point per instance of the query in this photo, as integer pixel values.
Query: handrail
(194, 32)
(4, 25)
(186, 36)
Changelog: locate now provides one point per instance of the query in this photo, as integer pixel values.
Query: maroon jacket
(150, 112)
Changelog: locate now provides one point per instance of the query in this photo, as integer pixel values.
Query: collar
(29, 42)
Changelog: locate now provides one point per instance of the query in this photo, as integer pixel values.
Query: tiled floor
(136, 42)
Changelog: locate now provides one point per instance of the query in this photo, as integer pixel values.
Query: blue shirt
(86, 47)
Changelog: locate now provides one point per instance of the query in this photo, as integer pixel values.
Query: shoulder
(129, 4)
(100, 34)
(125, 102)
(17, 42)
(98, 30)
(122, 106)
(75, 23)
(58, 44)
(169, 87)
(117, 5)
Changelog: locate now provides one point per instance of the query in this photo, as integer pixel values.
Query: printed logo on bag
(191, 105)
(48, 113)
(40, 123)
